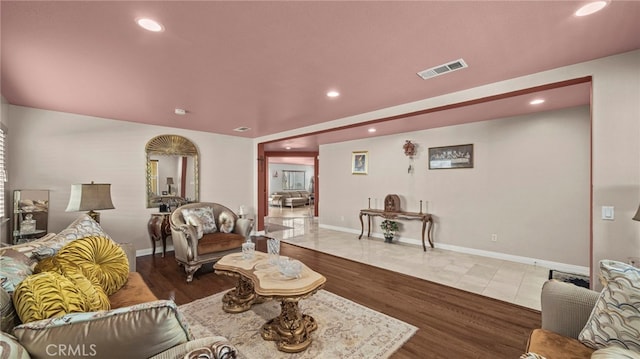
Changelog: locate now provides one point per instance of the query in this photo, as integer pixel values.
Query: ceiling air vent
(442, 69)
(242, 129)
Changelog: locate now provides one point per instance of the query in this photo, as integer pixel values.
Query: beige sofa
(194, 247)
(137, 325)
(291, 198)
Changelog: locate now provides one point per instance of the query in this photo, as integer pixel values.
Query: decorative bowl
(290, 268)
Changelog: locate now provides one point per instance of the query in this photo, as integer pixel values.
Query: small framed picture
(359, 162)
(164, 193)
(460, 156)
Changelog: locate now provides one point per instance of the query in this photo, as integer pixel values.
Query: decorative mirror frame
(171, 145)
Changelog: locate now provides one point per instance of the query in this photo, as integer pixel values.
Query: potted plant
(389, 228)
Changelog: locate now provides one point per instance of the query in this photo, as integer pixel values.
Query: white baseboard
(478, 252)
(148, 251)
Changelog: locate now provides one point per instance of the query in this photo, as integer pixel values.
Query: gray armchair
(194, 246)
(565, 311)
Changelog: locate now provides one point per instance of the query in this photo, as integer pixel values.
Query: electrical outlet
(634, 261)
(494, 237)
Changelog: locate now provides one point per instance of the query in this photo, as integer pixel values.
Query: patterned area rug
(345, 329)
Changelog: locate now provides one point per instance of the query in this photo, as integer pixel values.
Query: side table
(159, 229)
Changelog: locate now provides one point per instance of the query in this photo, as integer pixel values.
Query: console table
(424, 217)
(159, 229)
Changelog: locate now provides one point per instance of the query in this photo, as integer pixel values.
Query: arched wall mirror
(172, 171)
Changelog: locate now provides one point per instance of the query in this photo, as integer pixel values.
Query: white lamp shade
(88, 197)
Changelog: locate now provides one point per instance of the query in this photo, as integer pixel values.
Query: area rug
(577, 279)
(345, 329)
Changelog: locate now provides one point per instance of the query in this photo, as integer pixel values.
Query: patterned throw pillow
(205, 215)
(10, 348)
(83, 226)
(226, 221)
(531, 355)
(614, 353)
(14, 268)
(29, 247)
(615, 319)
(8, 313)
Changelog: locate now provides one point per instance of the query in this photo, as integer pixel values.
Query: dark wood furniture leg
(361, 226)
(159, 229)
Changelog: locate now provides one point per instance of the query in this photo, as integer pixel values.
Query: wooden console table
(159, 229)
(424, 217)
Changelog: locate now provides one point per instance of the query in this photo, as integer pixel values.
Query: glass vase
(248, 250)
(273, 250)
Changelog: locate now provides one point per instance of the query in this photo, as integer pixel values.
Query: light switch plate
(608, 213)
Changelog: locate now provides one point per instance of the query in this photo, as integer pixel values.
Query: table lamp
(169, 183)
(90, 197)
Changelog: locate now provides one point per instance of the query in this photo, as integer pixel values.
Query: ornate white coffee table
(259, 281)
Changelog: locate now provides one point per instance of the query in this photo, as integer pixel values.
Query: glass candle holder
(248, 250)
(273, 250)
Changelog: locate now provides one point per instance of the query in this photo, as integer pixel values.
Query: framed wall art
(359, 162)
(459, 156)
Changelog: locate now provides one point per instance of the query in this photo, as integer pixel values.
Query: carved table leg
(424, 224)
(430, 231)
(155, 230)
(361, 227)
(159, 229)
(290, 329)
(240, 298)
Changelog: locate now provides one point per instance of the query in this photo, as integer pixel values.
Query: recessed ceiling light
(591, 8)
(288, 147)
(180, 111)
(242, 129)
(536, 101)
(150, 25)
(333, 94)
(372, 130)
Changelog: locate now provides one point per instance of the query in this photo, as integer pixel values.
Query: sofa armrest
(566, 307)
(215, 347)
(185, 242)
(130, 251)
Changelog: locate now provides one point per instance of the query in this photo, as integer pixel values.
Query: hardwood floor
(452, 323)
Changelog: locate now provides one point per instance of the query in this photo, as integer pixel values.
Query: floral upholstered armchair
(205, 232)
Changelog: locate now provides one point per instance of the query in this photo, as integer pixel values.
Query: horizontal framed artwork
(459, 156)
(359, 162)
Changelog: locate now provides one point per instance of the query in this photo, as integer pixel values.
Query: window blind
(3, 170)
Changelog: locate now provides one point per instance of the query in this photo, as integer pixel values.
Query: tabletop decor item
(273, 249)
(390, 228)
(248, 250)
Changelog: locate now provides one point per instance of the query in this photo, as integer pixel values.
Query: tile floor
(504, 280)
